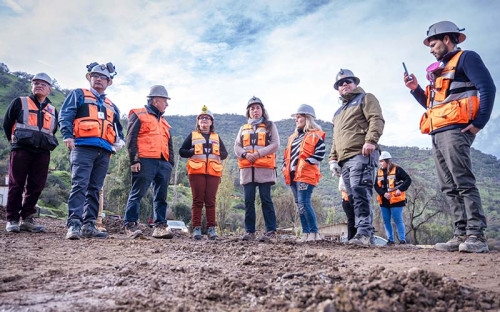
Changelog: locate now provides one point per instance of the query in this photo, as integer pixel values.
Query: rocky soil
(45, 272)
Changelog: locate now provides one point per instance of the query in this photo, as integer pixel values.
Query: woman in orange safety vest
(392, 182)
(304, 151)
(205, 151)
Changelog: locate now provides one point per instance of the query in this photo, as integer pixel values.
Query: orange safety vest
(345, 197)
(449, 101)
(30, 123)
(252, 141)
(305, 172)
(153, 136)
(391, 188)
(202, 163)
(94, 122)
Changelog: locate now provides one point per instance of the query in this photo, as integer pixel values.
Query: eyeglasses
(39, 83)
(204, 118)
(348, 81)
(96, 75)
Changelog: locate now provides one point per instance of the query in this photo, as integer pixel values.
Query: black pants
(351, 219)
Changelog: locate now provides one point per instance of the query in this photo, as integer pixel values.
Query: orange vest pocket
(87, 128)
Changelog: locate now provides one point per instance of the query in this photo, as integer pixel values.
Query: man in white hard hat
(357, 127)
(91, 129)
(30, 124)
(455, 114)
(151, 155)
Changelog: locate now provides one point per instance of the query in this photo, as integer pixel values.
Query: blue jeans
(397, 216)
(358, 173)
(88, 169)
(154, 171)
(302, 193)
(267, 206)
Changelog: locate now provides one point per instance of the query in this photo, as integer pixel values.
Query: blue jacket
(470, 68)
(67, 116)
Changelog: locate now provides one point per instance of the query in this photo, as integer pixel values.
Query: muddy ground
(45, 272)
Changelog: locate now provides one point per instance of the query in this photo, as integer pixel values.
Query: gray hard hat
(107, 70)
(345, 73)
(205, 111)
(444, 27)
(305, 109)
(254, 100)
(42, 77)
(158, 91)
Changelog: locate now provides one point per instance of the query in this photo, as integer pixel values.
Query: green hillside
(326, 197)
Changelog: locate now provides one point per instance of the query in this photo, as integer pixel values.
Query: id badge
(100, 115)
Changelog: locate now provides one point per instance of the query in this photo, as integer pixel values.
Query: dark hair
(212, 126)
(390, 164)
(453, 37)
(265, 116)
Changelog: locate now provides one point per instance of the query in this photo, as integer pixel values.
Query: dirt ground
(45, 272)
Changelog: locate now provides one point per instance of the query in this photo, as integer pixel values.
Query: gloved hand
(335, 168)
(118, 145)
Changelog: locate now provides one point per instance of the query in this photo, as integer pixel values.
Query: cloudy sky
(221, 53)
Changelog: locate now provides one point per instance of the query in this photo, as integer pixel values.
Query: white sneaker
(303, 238)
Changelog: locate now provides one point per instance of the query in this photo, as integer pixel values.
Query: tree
(4, 68)
(224, 196)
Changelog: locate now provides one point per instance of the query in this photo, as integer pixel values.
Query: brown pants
(204, 189)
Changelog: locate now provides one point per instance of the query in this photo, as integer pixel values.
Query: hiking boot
(12, 226)
(268, 236)
(90, 231)
(360, 240)
(197, 233)
(132, 230)
(389, 243)
(452, 244)
(474, 243)
(73, 231)
(162, 231)
(402, 242)
(303, 238)
(248, 236)
(29, 225)
(212, 233)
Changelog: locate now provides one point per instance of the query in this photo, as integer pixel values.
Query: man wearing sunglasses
(151, 155)
(91, 129)
(357, 127)
(30, 124)
(455, 114)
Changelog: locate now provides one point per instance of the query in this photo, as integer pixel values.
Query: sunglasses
(96, 75)
(348, 81)
(204, 118)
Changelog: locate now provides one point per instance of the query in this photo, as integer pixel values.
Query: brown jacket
(356, 123)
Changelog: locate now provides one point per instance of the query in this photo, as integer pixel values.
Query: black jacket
(403, 182)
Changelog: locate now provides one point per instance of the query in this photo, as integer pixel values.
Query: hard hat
(42, 77)
(305, 109)
(158, 91)
(345, 73)
(107, 70)
(254, 100)
(444, 27)
(384, 155)
(205, 111)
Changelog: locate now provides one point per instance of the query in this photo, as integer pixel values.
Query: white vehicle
(176, 225)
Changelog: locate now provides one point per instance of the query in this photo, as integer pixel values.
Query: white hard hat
(384, 155)
(107, 70)
(158, 91)
(42, 77)
(205, 111)
(305, 109)
(444, 27)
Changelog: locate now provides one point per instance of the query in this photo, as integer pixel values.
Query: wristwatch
(244, 155)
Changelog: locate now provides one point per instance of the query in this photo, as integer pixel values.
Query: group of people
(91, 130)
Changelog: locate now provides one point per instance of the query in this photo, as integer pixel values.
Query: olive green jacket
(354, 124)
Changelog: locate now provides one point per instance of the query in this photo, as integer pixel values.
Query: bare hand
(252, 157)
(368, 148)
(135, 167)
(12, 138)
(471, 128)
(387, 196)
(70, 143)
(398, 192)
(411, 83)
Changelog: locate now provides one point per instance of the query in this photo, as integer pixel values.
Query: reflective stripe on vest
(93, 121)
(449, 101)
(153, 136)
(305, 172)
(252, 141)
(391, 187)
(201, 162)
(30, 109)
